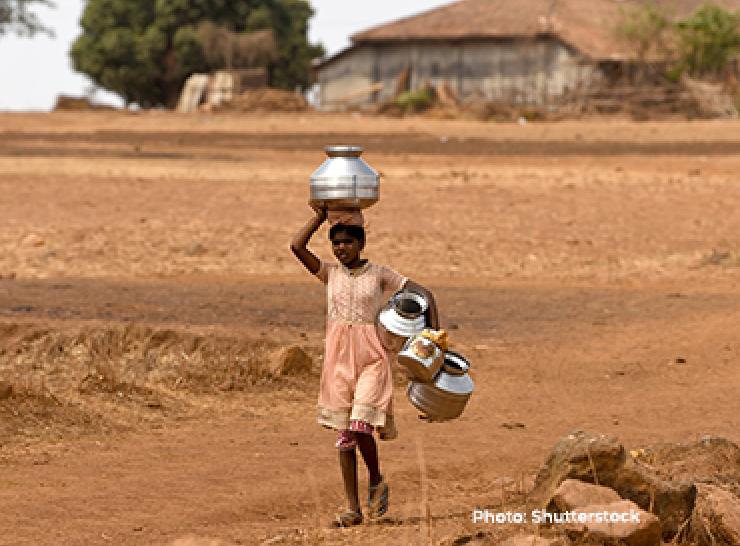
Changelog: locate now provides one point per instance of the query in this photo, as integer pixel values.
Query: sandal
(347, 519)
(377, 499)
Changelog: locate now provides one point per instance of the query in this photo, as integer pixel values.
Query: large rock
(716, 517)
(602, 460)
(572, 494)
(671, 501)
(581, 456)
(644, 532)
(710, 459)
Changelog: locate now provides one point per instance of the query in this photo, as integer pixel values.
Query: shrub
(415, 101)
(709, 39)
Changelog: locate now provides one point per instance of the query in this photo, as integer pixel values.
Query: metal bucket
(447, 395)
(344, 180)
(401, 318)
(421, 358)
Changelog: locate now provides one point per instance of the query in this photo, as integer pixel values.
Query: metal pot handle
(453, 369)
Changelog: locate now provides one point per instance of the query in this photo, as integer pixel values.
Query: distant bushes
(704, 44)
(416, 101)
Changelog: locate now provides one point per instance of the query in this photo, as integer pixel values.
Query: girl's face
(346, 248)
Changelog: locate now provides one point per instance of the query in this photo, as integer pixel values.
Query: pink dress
(356, 382)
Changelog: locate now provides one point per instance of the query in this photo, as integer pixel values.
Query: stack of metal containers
(440, 385)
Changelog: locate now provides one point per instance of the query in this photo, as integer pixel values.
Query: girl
(356, 384)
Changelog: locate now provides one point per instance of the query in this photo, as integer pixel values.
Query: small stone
(195, 249)
(227, 385)
(478, 539)
(511, 425)
(6, 390)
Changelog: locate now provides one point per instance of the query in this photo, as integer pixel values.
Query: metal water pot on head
(344, 180)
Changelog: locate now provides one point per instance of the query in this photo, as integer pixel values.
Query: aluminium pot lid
(399, 325)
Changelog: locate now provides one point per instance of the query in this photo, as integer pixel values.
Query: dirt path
(550, 358)
(589, 270)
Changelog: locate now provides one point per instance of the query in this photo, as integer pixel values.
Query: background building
(520, 51)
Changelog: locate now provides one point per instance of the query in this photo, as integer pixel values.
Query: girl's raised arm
(298, 245)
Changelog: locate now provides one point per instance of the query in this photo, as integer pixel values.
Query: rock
(711, 459)
(6, 390)
(290, 361)
(671, 501)
(645, 532)
(195, 249)
(578, 455)
(478, 539)
(534, 540)
(574, 494)
(716, 517)
(32, 240)
(585, 456)
(511, 425)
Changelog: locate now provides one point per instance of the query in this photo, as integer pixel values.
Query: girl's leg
(348, 462)
(346, 443)
(363, 433)
(377, 501)
(369, 451)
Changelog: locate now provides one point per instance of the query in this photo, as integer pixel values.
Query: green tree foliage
(709, 39)
(16, 16)
(145, 49)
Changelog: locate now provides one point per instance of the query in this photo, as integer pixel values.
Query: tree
(227, 49)
(710, 39)
(17, 16)
(145, 49)
(648, 28)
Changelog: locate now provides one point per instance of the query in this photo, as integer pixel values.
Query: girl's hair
(356, 232)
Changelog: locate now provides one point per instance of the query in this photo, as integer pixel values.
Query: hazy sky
(34, 71)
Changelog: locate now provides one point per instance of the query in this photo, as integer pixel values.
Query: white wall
(519, 71)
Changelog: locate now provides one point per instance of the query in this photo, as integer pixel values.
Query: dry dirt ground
(589, 270)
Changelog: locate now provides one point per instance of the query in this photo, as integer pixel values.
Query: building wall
(518, 71)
